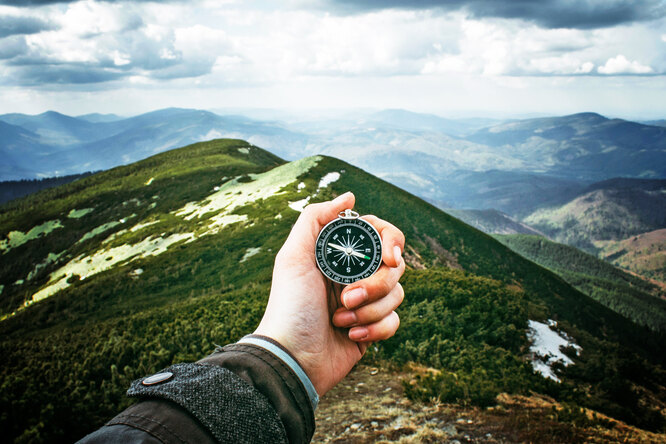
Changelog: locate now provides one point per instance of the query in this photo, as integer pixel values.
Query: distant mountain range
(531, 174)
(126, 271)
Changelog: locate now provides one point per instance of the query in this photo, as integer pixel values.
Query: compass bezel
(323, 239)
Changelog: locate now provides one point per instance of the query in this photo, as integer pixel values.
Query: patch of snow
(546, 347)
(77, 214)
(134, 200)
(18, 238)
(249, 253)
(279, 216)
(328, 179)
(50, 259)
(216, 188)
(234, 194)
(152, 205)
(138, 227)
(243, 150)
(149, 181)
(299, 205)
(102, 260)
(99, 230)
(221, 204)
(301, 186)
(136, 273)
(19, 282)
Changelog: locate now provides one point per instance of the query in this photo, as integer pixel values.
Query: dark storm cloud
(40, 74)
(27, 3)
(582, 14)
(16, 25)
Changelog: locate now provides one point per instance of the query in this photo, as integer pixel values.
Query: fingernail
(345, 318)
(354, 298)
(358, 333)
(397, 255)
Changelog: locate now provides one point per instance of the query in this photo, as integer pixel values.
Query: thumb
(315, 216)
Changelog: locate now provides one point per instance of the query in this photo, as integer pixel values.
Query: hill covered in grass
(124, 272)
(629, 295)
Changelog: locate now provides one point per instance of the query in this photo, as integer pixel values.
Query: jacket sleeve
(251, 391)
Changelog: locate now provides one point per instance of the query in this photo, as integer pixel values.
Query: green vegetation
(628, 295)
(67, 360)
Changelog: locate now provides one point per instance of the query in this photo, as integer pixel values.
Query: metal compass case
(348, 249)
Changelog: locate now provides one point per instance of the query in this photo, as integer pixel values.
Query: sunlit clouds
(59, 52)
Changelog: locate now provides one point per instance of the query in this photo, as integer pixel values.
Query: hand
(310, 316)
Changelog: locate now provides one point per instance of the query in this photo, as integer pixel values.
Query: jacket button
(157, 378)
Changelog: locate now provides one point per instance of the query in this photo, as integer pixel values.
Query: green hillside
(609, 211)
(124, 272)
(644, 254)
(633, 297)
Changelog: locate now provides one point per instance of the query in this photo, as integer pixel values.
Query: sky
(449, 57)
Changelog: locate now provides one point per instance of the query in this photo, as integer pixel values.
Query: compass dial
(348, 250)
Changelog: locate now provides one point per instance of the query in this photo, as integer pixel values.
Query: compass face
(348, 250)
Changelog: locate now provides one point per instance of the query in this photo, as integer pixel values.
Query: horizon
(296, 115)
(454, 59)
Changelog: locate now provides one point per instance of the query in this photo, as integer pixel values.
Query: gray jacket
(253, 391)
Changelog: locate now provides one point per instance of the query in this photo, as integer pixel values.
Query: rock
(355, 426)
(374, 424)
(374, 371)
(450, 430)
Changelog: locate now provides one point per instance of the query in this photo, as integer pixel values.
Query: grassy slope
(73, 355)
(630, 296)
(602, 215)
(644, 254)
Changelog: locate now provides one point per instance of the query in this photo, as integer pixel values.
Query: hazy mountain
(124, 272)
(636, 298)
(513, 166)
(582, 146)
(607, 211)
(17, 144)
(407, 120)
(75, 145)
(491, 221)
(98, 118)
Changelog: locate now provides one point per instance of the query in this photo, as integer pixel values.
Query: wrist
(281, 352)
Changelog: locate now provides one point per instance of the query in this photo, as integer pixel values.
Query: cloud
(584, 14)
(620, 65)
(17, 25)
(39, 75)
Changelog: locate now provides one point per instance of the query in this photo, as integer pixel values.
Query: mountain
(98, 117)
(71, 145)
(491, 221)
(407, 120)
(14, 189)
(54, 128)
(633, 297)
(607, 211)
(644, 254)
(17, 143)
(515, 166)
(126, 271)
(581, 146)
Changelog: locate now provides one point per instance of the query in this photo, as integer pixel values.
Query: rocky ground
(369, 407)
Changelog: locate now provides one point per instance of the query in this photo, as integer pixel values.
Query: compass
(348, 249)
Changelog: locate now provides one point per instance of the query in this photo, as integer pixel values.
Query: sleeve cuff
(280, 352)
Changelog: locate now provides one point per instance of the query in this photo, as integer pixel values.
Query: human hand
(310, 315)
